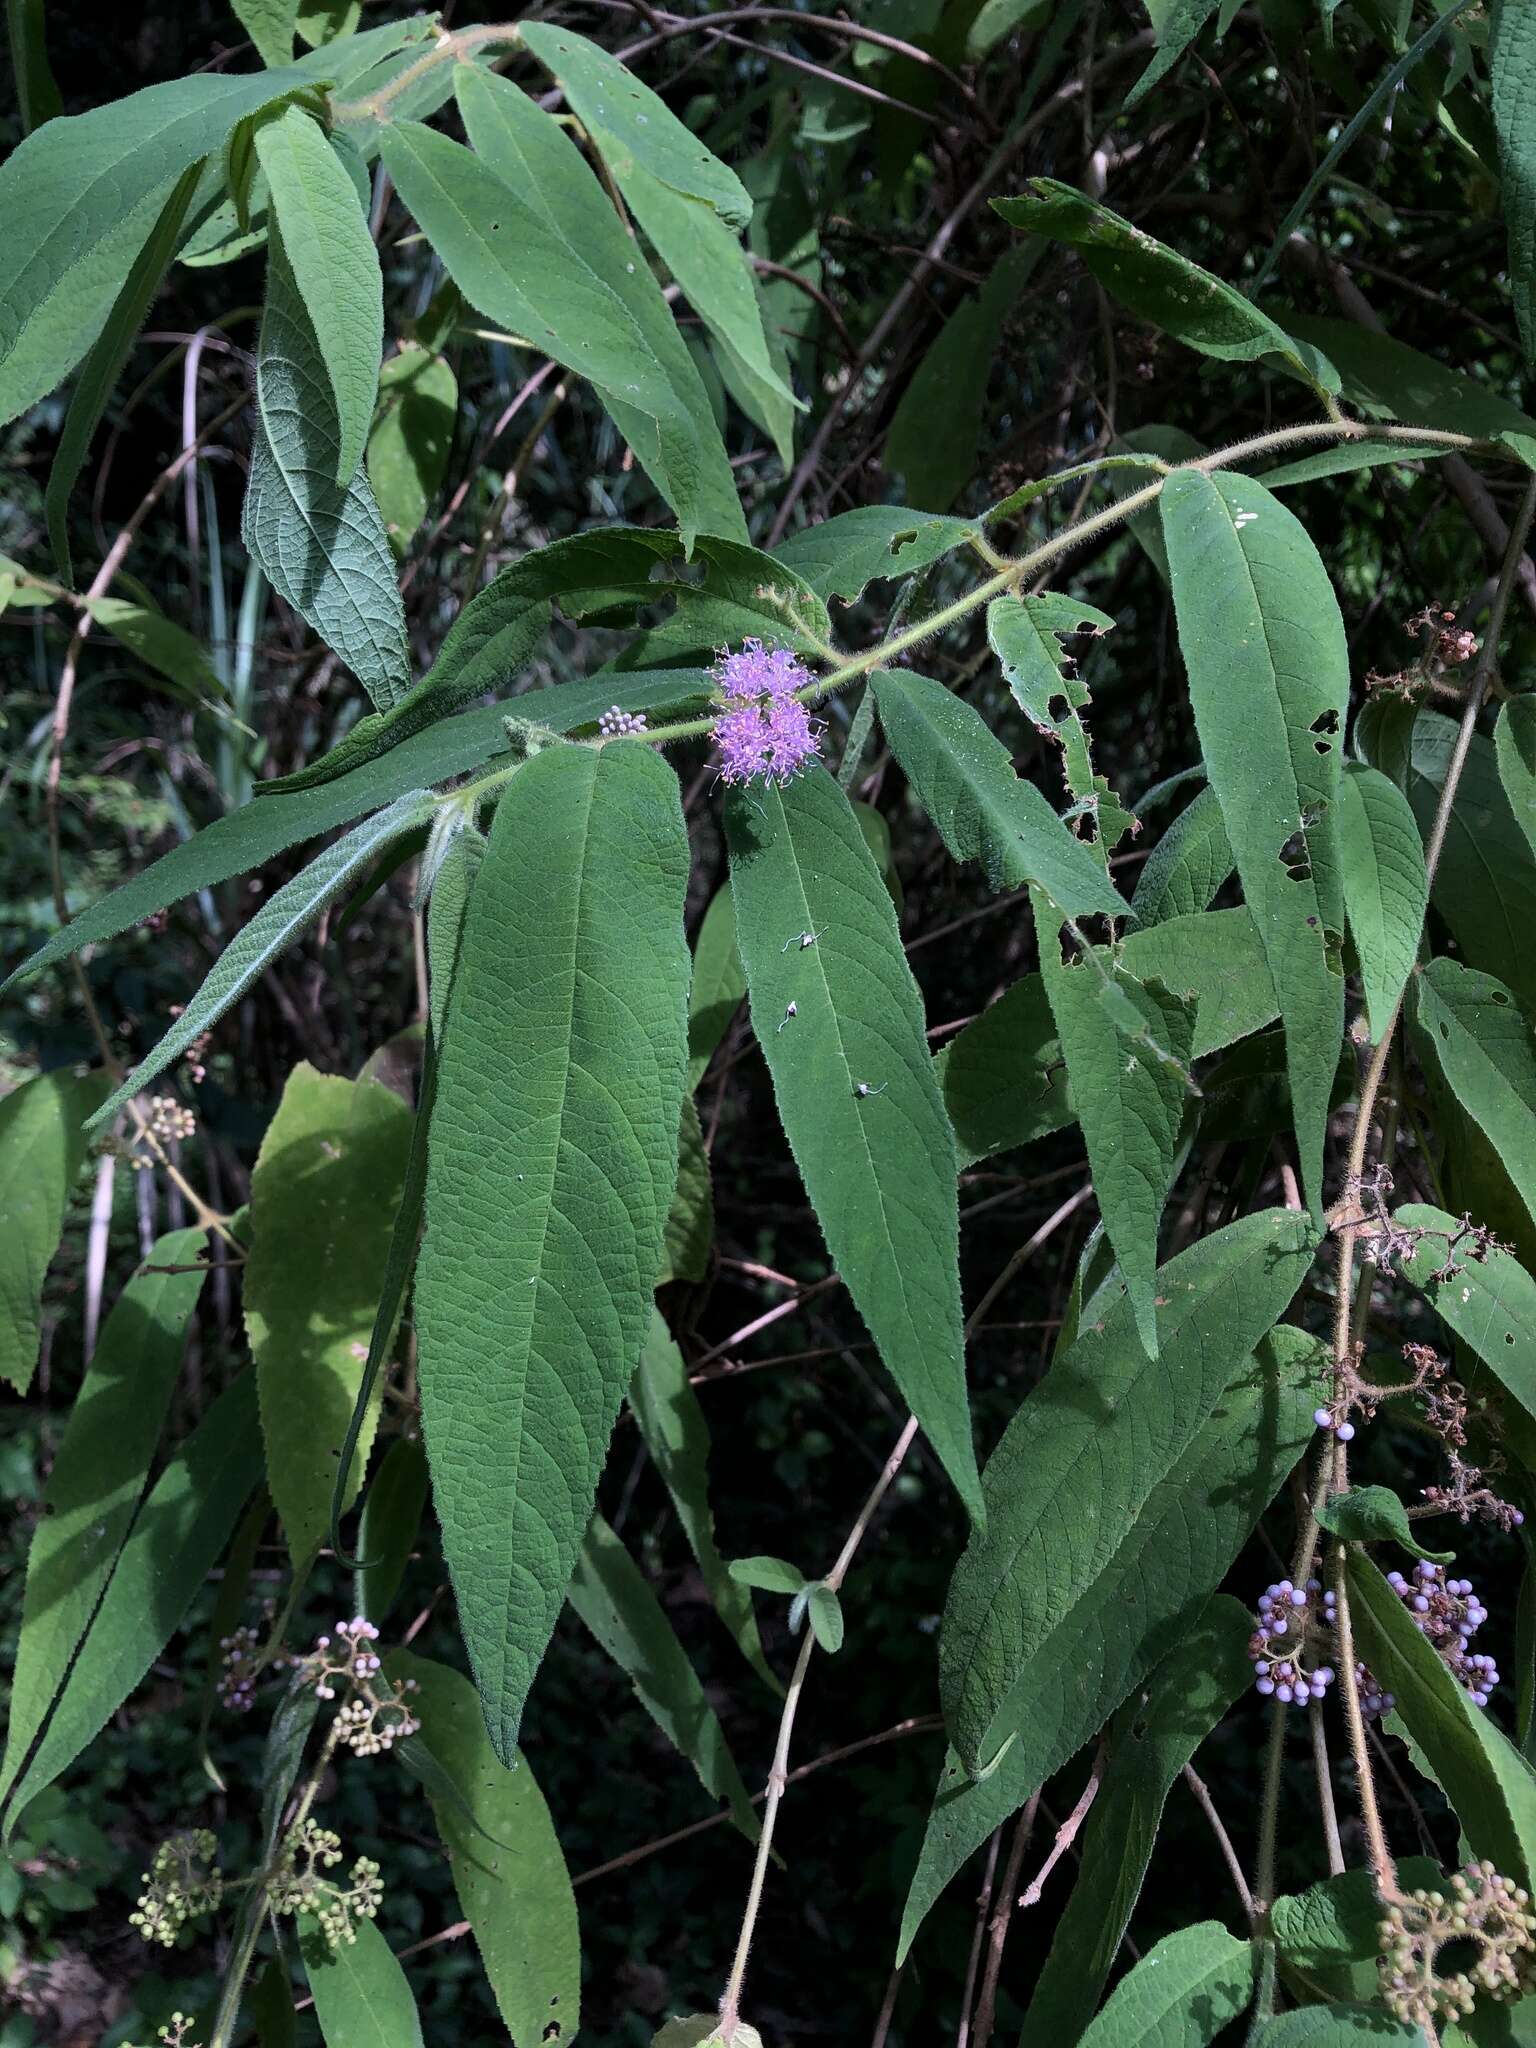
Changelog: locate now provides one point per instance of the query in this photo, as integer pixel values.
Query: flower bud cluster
(299, 1884)
(1484, 1914)
(376, 1713)
(182, 1883)
(1449, 1613)
(239, 1667)
(764, 733)
(616, 724)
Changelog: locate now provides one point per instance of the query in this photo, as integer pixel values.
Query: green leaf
(324, 1193)
(1264, 646)
(1336, 2026)
(321, 543)
(826, 1617)
(1181, 1994)
(447, 908)
(1214, 959)
(517, 1900)
(175, 1539)
(1176, 24)
(361, 1997)
(1153, 1738)
(37, 96)
(1129, 1082)
(1512, 77)
(1349, 456)
(604, 94)
(1374, 1514)
(1514, 741)
(965, 781)
(1489, 1784)
(610, 1593)
(1025, 633)
(392, 1512)
(1188, 1530)
(672, 1423)
(690, 1232)
(769, 1575)
(842, 556)
(1489, 1302)
(104, 364)
(1162, 287)
(280, 920)
(718, 983)
(1482, 1044)
(1339, 1920)
(160, 644)
(566, 1038)
(42, 1148)
(270, 2004)
(411, 437)
(1386, 891)
(99, 1472)
(1077, 1471)
(269, 24)
(702, 2030)
(90, 188)
(879, 1165)
(330, 253)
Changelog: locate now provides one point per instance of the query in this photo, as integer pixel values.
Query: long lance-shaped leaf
(321, 543)
(274, 927)
(1386, 888)
(362, 1999)
(335, 266)
(1514, 739)
(104, 364)
(1475, 1032)
(98, 1473)
(855, 1086)
(610, 1593)
(1268, 671)
(1154, 1736)
(984, 811)
(553, 1155)
(1195, 1519)
(175, 1539)
(1181, 1994)
(1512, 74)
(42, 1148)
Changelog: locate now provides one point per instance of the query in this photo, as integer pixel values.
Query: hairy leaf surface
(843, 555)
(1181, 1994)
(361, 1997)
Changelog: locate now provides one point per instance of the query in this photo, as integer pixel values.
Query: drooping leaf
(1181, 1994)
(1195, 1519)
(324, 1193)
(1386, 891)
(517, 1898)
(1162, 287)
(410, 441)
(391, 1525)
(42, 1148)
(280, 920)
(1480, 1039)
(362, 1999)
(1338, 1920)
(566, 1037)
(321, 543)
(984, 811)
(99, 1472)
(610, 1593)
(1491, 1787)
(676, 1434)
(1127, 1044)
(1268, 669)
(1514, 740)
(103, 366)
(1489, 1302)
(825, 1613)
(690, 1232)
(1374, 1514)
(1512, 77)
(842, 556)
(330, 253)
(878, 1165)
(1154, 1736)
(174, 1541)
(161, 644)
(718, 983)
(1176, 24)
(1349, 456)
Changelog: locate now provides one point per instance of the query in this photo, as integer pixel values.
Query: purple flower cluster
(764, 733)
(1449, 1613)
(616, 724)
(1287, 1648)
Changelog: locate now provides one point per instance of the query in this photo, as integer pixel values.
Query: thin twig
(1067, 1833)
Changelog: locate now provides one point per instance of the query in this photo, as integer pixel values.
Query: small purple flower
(764, 733)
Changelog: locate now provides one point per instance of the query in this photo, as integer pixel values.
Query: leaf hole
(1498, 996)
(1327, 721)
(1509, 1336)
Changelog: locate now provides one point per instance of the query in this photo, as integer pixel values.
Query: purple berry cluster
(1294, 1633)
(240, 1664)
(1374, 1699)
(764, 733)
(616, 724)
(1449, 1613)
(1325, 1418)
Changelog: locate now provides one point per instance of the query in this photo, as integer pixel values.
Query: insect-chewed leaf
(1123, 1593)
(1488, 1299)
(855, 1086)
(1187, 866)
(1514, 740)
(1181, 1994)
(985, 812)
(1481, 1041)
(1386, 890)
(42, 1148)
(1154, 1737)
(1162, 287)
(610, 1593)
(842, 556)
(362, 1999)
(335, 266)
(1025, 633)
(320, 541)
(553, 1156)
(324, 1193)
(1128, 1077)
(99, 1470)
(178, 1533)
(1489, 1784)
(1268, 672)
(516, 1894)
